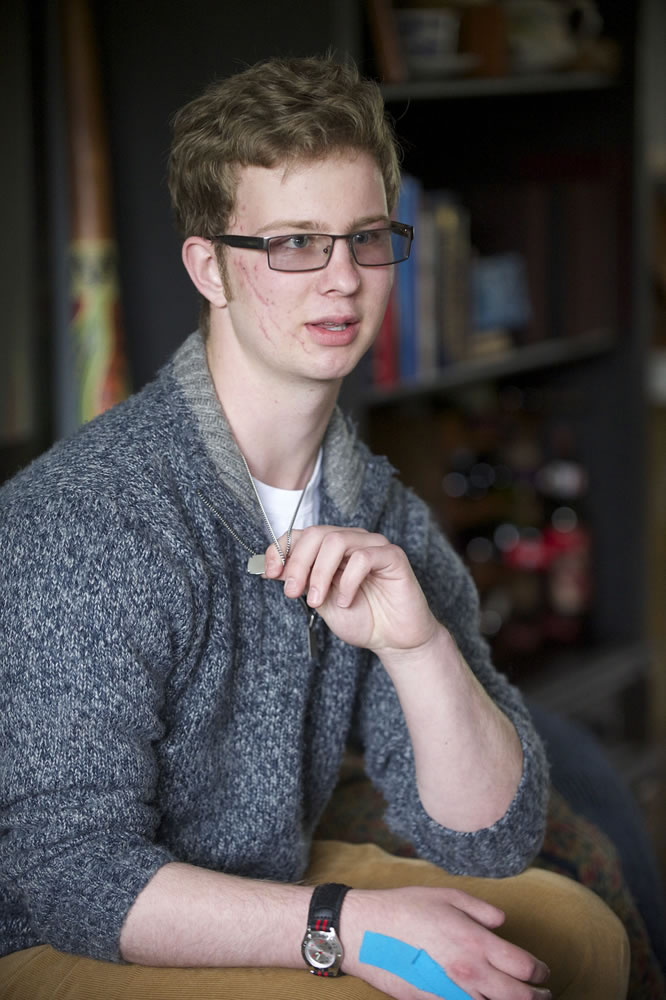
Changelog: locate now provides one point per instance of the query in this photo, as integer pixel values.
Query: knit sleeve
(85, 651)
(512, 842)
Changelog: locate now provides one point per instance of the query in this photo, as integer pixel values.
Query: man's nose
(342, 268)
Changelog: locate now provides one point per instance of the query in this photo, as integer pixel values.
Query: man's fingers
(317, 555)
(517, 962)
(478, 909)
(504, 956)
(273, 564)
(359, 565)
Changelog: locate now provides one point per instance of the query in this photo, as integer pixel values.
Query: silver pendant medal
(256, 564)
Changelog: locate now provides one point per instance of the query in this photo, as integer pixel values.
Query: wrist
(438, 647)
(321, 947)
(365, 909)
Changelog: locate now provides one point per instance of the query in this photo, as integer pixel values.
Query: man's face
(312, 325)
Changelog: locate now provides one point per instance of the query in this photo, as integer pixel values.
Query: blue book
(409, 205)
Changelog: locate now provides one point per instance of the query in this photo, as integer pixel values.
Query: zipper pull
(313, 645)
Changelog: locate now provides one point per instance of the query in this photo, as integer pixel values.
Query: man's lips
(335, 322)
(334, 331)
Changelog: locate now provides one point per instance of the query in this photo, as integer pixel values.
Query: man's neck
(279, 431)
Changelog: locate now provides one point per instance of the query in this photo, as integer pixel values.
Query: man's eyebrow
(368, 220)
(291, 224)
(314, 226)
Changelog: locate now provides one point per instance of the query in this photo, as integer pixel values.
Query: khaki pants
(562, 923)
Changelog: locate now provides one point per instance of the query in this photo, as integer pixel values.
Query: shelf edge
(534, 357)
(501, 86)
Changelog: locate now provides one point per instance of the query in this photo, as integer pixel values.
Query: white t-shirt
(281, 504)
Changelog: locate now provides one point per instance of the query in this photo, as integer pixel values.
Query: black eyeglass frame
(264, 242)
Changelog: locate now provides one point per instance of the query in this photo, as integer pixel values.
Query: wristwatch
(321, 947)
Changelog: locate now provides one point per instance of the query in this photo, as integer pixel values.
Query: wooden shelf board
(502, 86)
(546, 354)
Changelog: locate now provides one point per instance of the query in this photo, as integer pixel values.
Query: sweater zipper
(311, 616)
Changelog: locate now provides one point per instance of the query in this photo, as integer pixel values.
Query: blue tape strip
(413, 965)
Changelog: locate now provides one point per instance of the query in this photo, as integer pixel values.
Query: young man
(214, 588)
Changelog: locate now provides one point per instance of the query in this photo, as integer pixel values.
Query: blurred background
(519, 379)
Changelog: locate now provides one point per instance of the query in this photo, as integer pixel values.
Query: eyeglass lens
(308, 251)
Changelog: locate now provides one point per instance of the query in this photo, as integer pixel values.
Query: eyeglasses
(312, 251)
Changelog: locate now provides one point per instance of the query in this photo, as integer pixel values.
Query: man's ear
(201, 264)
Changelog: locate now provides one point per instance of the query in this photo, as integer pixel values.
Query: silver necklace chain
(255, 564)
(283, 556)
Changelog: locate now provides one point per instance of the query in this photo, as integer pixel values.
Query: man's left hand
(362, 586)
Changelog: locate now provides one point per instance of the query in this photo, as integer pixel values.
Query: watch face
(321, 949)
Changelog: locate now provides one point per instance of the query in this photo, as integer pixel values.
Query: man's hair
(281, 111)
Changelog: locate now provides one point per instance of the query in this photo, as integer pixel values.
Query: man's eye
(367, 236)
(300, 241)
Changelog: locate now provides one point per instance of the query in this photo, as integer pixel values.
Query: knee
(605, 943)
(590, 948)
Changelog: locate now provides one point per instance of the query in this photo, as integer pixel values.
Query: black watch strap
(321, 947)
(325, 906)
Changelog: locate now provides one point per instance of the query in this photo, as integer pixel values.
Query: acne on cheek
(300, 337)
(254, 276)
(251, 275)
(302, 341)
(269, 327)
(264, 331)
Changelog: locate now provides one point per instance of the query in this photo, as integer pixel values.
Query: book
(522, 218)
(426, 292)
(384, 356)
(406, 283)
(499, 295)
(452, 277)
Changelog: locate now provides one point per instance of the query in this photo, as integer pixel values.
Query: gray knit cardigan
(159, 703)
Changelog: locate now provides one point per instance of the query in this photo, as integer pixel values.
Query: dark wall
(155, 57)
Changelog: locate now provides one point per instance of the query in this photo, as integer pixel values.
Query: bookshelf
(546, 165)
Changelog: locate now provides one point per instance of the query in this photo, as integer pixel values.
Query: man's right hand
(187, 916)
(454, 928)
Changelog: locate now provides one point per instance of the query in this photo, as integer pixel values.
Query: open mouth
(335, 333)
(336, 323)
